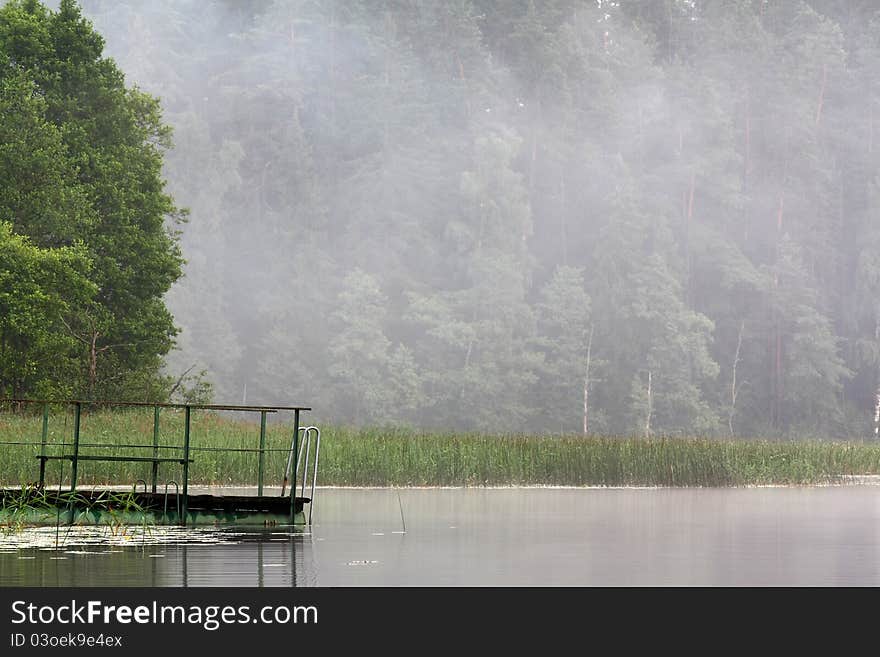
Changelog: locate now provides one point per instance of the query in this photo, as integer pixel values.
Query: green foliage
(38, 287)
(420, 212)
(564, 329)
(41, 195)
(475, 346)
(81, 160)
(815, 373)
(379, 384)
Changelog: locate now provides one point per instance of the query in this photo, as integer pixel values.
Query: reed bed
(400, 457)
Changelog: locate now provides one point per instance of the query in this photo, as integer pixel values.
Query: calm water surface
(493, 537)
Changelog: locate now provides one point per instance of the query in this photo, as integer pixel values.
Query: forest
(631, 217)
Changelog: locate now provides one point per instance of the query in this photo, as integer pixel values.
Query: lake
(816, 536)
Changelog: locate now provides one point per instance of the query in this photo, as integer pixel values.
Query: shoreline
(842, 482)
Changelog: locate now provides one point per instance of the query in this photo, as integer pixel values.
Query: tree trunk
(777, 375)
(533, 158)
(93, 363)
(690, 212)
(467, 97)
(733, 390)
(562, 227)
(779, 213)
(650, 408)
(748, 149)
(333, 82)
(777, 330)
(822, 93)
(687, 235)
(877, 413)
(587, 382)
(533, 161)
(877, 393)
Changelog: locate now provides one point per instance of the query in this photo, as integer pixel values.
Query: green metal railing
(155, 459)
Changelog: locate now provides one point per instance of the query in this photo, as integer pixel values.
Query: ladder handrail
(176, 497)
(306, 445)
(314, 473)
(290, 460)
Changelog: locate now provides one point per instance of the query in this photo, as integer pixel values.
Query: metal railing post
(293, 479)
(155, 446)
(77, 411)
(262, 452)
(184, 505)
(43, 444)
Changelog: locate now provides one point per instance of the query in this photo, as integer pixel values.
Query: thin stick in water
(400, 504)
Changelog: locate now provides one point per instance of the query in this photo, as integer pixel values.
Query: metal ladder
(307, 445)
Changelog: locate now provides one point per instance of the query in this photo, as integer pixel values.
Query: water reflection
(158, 558)
(259, 560)
(549, 537)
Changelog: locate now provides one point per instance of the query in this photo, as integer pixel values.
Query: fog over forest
(633, 217)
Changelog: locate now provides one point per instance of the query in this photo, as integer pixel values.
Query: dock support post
(74, 462)
(262, 452)
(45, 436)
(293, 478)
(184, 505)
(155, 446)
(77, 411)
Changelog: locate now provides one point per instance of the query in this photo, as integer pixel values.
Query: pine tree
(564, 338)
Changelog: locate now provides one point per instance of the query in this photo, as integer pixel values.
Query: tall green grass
(394, 457)
(398, 457)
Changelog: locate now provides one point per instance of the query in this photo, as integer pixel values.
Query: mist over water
(495, 537)
(638, 217)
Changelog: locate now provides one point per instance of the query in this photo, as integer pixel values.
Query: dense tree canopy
(613, 216)
(88, 255)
